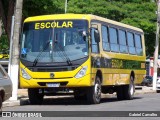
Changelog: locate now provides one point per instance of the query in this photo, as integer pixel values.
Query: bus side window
(122, 41)
(130, 40)
(105, 40)
(113, 39)
(94, 44)
(138, 43)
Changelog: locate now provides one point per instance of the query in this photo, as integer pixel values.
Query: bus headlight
(82, 72)
(25, 74)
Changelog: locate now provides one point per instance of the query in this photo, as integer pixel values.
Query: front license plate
(53, 85)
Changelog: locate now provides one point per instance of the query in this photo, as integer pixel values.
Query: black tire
(79, 94)
(1, 102)
(126, 92)
(120, 94)
(129, 90)
(35, 97)
(94, 93)
(158, 91)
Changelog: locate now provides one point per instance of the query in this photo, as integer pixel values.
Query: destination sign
(53, 24)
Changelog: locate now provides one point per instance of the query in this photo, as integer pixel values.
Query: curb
(9, 103)
(19, 102)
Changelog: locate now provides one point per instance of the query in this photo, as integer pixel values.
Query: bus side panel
(139, 76)
(115, 77)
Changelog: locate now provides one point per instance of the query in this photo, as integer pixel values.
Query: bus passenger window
(138, 44)
(130, 39)
(113, 40)
(94, 44)
(105, 40)
(122, 41)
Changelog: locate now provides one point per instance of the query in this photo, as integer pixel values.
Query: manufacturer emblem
(51, 75)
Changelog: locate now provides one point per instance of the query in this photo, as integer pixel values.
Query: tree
(6, 13)
(0, 27)
(139, 13)
(42, 7)
(31, 8)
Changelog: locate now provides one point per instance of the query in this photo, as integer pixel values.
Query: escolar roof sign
(54, 24)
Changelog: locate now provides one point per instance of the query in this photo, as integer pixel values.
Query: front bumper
(64, 82)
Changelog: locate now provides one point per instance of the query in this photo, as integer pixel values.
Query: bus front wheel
(35, 97)
(94, 93)
(1, 102)
(79, 94)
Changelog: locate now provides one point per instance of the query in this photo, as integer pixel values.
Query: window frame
(94, 43)
(111, 43)
(120, 41)
(127, 46)
(130, 47)
(103, 41)
(141, 46)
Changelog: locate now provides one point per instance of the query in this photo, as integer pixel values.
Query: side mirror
(83, 33)
(96, 36)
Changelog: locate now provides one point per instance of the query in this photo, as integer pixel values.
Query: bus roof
(79, 16)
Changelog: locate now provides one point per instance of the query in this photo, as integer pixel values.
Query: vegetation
(139, 13)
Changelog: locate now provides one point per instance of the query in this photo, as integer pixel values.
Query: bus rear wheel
(126, 92)
(129, 90)
(35, 97)
(94, 93)
(158, 91)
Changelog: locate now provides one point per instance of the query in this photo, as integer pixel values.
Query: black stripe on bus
(113, 63)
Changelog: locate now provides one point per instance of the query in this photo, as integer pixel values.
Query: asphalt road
(142, 103)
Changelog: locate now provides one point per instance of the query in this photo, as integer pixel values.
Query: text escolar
(43, 25)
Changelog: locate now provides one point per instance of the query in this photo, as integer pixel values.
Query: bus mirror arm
(83, 33)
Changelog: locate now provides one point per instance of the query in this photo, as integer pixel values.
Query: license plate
(53, 85)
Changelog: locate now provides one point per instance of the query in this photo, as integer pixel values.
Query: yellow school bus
(82, 53)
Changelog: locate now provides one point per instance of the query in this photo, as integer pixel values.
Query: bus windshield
(54, 41)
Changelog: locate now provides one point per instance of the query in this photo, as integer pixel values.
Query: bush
(4, 45)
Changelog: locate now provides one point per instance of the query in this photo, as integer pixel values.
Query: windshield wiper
(64, 54)
(40, 53)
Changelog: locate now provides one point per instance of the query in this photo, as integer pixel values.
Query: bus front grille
(52, 69)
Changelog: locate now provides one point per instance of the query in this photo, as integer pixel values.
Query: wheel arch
(132, 74)
(99, 74)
